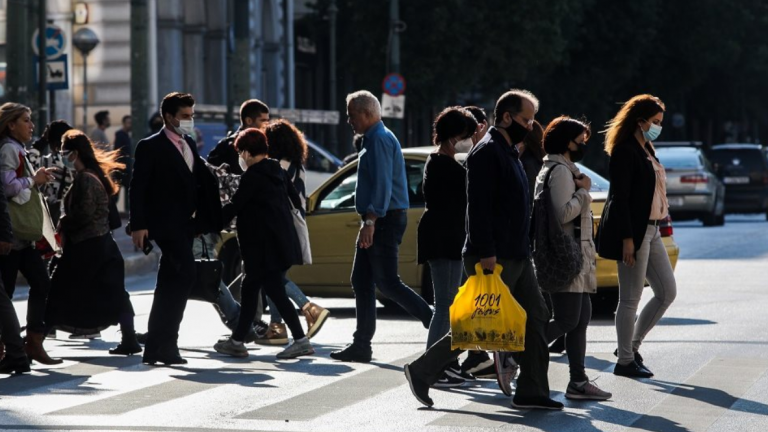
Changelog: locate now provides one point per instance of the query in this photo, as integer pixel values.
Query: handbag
(208, 278)
(485, 316)
(300, 224)
(27, 219)
(557, 255)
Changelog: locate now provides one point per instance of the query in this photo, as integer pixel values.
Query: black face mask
(578, 154)
(516, 132)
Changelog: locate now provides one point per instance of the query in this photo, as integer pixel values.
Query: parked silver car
(693, 189)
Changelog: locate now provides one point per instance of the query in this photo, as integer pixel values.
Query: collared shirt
(381, 181)
(182, 146)
(659, 205)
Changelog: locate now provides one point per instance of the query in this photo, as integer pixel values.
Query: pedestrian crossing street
(95, 392)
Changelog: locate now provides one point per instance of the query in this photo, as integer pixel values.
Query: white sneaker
(506, 371)
(297, 349)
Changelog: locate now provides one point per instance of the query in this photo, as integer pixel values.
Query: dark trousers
(572, 314)
(377, 267)
(534, 361)
(10, 332)
(29, 262)
(271, 281)
(174, 283)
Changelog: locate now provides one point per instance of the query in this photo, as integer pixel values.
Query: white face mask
(243, 165)
(187, 127)
(464, 146)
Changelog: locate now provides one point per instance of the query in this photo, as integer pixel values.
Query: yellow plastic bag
(485, 316)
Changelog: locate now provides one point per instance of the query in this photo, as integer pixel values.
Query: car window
(341, 195)
(317, 162)
(746, 159)
(414, 172)
(599, 183)
(679, 160)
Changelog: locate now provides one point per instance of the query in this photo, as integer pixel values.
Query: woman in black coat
(629, 227)
(268, 241)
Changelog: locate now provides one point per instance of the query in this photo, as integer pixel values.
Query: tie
(188, 157)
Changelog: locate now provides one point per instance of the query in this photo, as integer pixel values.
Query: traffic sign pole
(42, 117)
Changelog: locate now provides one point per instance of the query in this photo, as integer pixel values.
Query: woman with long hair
(21, 186)
(287, 145)
(565, 141)
(88, 284)
(629, 227)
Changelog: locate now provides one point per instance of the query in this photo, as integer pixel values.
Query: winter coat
(570, 204)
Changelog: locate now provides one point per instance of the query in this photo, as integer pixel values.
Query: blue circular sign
(55, 42)
(394, 84)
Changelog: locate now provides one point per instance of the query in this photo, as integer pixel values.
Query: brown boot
(276, 335)
(33, 346)
(315, 316)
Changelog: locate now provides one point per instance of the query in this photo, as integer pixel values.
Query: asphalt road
(709, 354)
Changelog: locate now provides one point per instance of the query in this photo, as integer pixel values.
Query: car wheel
(605, 301)
(709, 219)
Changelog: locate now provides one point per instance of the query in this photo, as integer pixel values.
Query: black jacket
(6, 230)
(165, 194)
(225, 152)
(498, 214)
(441, 228)
(626, 213)
(265, 229)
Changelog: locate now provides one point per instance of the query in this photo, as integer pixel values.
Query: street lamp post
(333, 11)
(85, 40)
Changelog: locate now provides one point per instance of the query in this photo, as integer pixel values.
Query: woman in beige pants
(629, 227)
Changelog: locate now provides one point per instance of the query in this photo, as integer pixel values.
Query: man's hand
(488, 263)
(139, 237)
(5, 248)
(629, 252)
(366, 236)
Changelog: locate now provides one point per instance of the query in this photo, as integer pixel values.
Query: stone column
(194, 48)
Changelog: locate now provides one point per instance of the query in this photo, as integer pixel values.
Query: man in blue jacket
(498, 222)
(381, 200)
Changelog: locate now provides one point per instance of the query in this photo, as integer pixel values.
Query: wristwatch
(369, 222)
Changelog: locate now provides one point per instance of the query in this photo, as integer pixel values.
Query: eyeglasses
(525, 121)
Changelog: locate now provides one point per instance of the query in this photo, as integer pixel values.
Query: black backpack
(557, 255)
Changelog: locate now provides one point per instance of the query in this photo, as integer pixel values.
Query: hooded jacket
(265, 229)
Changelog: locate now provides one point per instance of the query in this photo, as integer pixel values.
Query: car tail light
(665, 227)
(695, 178)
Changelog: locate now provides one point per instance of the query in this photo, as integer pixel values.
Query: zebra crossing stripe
(346, 392)
(698, 402)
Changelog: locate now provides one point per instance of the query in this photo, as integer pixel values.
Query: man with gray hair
(381, 199)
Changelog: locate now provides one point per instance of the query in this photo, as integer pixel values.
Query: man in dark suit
(174, 198)
(253, 114)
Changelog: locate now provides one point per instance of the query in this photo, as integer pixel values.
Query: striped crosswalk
(217, 393)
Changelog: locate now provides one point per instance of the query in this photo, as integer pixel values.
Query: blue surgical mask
(652, 133)
(68, 164)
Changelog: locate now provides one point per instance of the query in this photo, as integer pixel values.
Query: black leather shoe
(128, 346)
(638, 360)
(543, 403)
(632, 370)
(17, 365)
(167, 357)
(419, 388)
(353, 353)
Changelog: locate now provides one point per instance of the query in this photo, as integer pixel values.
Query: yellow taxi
(333, 226)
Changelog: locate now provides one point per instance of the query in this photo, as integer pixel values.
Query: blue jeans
(378, 265)
(294, 293)
(446, 279)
